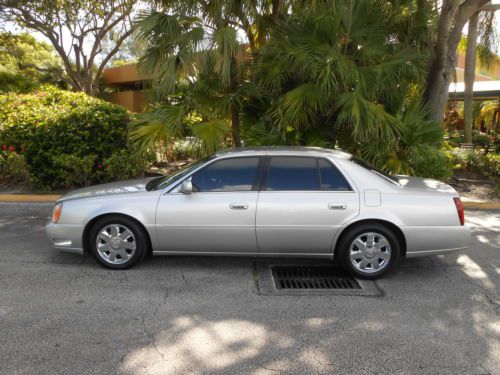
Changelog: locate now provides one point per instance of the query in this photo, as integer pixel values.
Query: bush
(13, 167)
(124, 164)
(491, 165)
(482, 140)
(66, 136)
(488, 165)
(186, 148)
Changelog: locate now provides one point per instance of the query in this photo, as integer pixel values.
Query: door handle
(337, 206)
(238, 206)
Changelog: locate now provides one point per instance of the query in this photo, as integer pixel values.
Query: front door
(218, 216)
(302, 204)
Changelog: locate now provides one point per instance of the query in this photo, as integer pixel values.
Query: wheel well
(91, 223)
(397, 231)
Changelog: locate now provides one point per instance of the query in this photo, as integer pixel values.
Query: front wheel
(369, 251)
(117, 242)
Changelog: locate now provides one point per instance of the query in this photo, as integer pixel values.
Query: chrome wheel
(370, 252)
(115, 243)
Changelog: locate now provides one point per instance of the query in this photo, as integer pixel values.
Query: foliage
(332, 67)
(416, 151)
(124, 164)
(487, 165)
(85, 34)
(66, 136)
(482, 140)
(13, 167)
(73, 170)
(186, 148)
(26, 63)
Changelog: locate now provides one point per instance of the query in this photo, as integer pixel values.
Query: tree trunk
(469, 76)
(442, 68)
(235, 126)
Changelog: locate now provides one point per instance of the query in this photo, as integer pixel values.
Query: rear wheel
(117, 242)
(369, 251)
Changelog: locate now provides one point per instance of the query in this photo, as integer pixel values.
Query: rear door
(302, 203)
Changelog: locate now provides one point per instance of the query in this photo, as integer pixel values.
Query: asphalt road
(63, 314)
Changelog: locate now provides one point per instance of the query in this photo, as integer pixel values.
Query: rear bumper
(422, 241)
(65, 237)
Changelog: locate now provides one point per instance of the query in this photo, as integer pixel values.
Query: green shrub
(124, 164)
(487, 165)
(13, 167)
(73, 170)
(187, 148)
(482, 140)
(491, 165)
(66, 135)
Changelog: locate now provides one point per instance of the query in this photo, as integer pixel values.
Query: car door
(302, 203)
(218, 216)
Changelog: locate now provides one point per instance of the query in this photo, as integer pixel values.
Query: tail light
(460, 210)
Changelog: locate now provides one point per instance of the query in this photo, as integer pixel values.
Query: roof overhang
(483, 90)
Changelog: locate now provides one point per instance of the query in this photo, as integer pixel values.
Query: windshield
(161, 182)
(365, 165)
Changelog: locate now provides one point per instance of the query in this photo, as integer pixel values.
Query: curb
(39, 198)
(481, 205)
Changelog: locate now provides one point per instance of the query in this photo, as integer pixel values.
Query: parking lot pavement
(63, 314)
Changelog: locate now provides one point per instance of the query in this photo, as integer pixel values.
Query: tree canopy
(78, 31)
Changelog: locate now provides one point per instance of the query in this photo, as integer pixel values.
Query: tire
(369, 262)
(117, 242)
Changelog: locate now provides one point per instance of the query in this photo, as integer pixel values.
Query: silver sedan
(265, 202)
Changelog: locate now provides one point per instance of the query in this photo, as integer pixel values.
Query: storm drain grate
(307, 277)
(310, 278)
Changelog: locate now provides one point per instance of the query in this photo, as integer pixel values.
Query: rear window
(288, 173)
(365, 165)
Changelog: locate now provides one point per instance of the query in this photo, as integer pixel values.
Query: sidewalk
(38, 198)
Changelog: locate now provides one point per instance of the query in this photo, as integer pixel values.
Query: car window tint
(292, 173)
(330, 177)
(236, 174)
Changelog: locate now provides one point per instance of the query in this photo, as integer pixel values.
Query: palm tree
(340, 65)
(200, 53)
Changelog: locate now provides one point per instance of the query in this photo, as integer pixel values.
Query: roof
(482, 90)
(285, 150)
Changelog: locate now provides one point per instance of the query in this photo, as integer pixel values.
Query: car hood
(119, 187)
(420, 184)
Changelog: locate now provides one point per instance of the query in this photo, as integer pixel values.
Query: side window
(331, 178)
(292, 173)
(238, 174)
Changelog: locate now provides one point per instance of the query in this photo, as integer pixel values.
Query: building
(127, 84)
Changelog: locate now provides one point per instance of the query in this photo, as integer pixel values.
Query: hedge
(66, 137)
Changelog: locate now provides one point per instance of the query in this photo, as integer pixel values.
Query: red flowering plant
(13, 167)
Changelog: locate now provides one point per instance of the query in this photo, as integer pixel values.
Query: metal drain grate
(312, 277)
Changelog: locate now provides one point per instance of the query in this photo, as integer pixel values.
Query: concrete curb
(28, 197)
(482, 205)
(53, 197)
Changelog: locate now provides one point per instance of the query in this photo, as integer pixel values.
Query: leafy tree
(77, 29)
(26, 62)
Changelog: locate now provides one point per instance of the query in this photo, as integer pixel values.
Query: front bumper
(432, 240)
(65, 237)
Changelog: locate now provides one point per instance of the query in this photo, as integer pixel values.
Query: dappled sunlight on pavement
(193, 343)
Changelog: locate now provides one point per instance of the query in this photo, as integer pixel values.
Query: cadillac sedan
(265, 202)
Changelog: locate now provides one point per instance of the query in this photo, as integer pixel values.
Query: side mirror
(187, 186)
